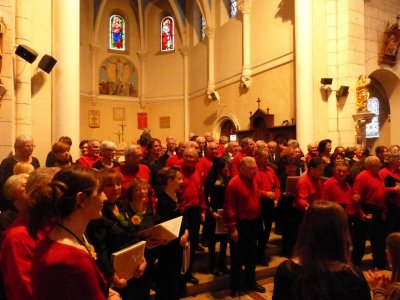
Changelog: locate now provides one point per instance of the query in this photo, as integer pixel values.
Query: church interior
(269, 69)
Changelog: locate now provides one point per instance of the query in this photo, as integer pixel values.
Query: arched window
(372, 128)
(234, 8)
(167, 34)
(117, 33)
(203, 28)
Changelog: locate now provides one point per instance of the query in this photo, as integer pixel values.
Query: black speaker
(26, 53)
(326, 81)
(343, 91)
(47, 63)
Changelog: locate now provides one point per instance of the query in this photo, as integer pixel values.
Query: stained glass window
(203, 28)
(167, 34)
(234, 8)
(117, 33)
(373, 127)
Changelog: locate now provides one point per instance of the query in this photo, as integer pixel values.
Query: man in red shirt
(174, 159)
(132, 168)
(192, 202)
(93, 155)
(369, 200)
(269, 189)
(247, 145)
(242, 216)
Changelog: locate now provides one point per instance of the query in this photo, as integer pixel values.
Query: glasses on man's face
(29, 146)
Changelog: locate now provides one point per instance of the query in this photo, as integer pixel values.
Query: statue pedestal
(361, 119)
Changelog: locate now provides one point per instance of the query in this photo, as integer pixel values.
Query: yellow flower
(136, 220)
(91, 250)
(218, 182)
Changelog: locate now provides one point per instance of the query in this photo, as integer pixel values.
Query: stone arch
(386, 86)
(217, 126)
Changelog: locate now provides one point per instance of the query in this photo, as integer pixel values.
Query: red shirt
(339, 192)
(236, 163)
(241, 201)
(61, 271)
(267, 181)
(142, 171)
(16, 253)
(391, 193)
(87, 161)
(371, 188)
(309, 189)
(192, 191)
(173, 161)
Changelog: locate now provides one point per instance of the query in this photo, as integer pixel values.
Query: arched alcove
(385, 85)
(225, 125)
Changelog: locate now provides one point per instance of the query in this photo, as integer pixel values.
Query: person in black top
(171, 283)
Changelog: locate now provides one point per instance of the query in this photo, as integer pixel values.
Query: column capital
(210, 31)
(142, 55)
(245, 6)
(184, 50)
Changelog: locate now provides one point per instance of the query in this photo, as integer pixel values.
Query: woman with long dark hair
(321, 266)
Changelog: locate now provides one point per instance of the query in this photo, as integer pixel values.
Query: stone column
(66, 84)
(23, 73)
(94, 49)
(304, 72)
(141, 84)
(210, 32)
(245, 7)
(185, 54)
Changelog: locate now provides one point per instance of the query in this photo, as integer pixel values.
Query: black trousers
(243, 253)
(375, 230)
(193, 219)
(267, 216)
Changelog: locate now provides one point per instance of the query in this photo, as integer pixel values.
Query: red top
(394, 179)
(192, 191)
(173, 161)
(61, 271)
(309, 189)
(241, 201)
(236, 163)
(339, 192)
(16, 252)
(142, 171)
(87, 161)
(267, 181)
(371, 188)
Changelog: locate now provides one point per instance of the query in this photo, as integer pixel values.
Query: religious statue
(391, 43)
(362, 91)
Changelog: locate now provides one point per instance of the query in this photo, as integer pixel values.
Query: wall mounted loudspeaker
(26, 53)
(326, 81)
(343, 91)
(214, 96)
(47, 63)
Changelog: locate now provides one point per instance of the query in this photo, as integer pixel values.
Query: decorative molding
(210, 31)
(184, 50)
(245, 6)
